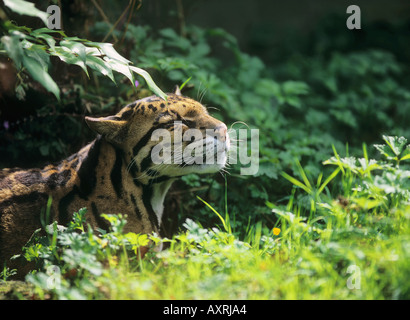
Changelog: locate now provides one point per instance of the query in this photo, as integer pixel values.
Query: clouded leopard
(115, 173)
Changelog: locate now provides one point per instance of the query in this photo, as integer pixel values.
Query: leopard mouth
(215, 153)
(213, 158)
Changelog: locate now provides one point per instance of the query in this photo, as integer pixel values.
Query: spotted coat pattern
(112, 174)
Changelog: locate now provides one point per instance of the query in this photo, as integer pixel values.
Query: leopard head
(166, 138)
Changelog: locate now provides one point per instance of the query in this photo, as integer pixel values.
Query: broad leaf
(99, 65)
(406, 153)
(14, 49)
(26, 8)
(66, 56)
(76, 48)
(386, 151)
(394, 148)
(36, 32)
(151, 84)
(48, 39)
(120, 68)
(108, 50)
(37, 52)
(396, 143)
(39, 74)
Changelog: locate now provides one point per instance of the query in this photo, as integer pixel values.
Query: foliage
(72, 256)
(365, 230)
(301, 107)
(290, 231)
(32, 49)
(32, 52)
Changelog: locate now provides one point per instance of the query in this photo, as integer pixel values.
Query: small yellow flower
(276, 231)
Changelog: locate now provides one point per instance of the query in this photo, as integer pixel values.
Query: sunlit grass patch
(355, 245)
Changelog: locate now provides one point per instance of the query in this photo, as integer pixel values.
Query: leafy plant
(395, 149)
(292, 230)
(308, 255)
(65, 254)
(32, 49)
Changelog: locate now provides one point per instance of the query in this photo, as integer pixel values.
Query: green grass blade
(296, 182)
(303, 175)
(330, 178)
(405, 157)
(338, 158)
(365, 154)
(185, 82)
(216, 212)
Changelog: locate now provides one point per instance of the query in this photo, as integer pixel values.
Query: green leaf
(185, 82)
(39, 74)
(150, 82)
(295, 88)
(366, 203)
(99, 65)
(76, 48)
(76, 39)
(14, 49)
(26, 8)
(303, 175)
(330, 178)
(268, 169)
(93, 51)
(37, 52)
(268, 87)
(296, 182)
(216, 212)
(48, 39)
(406, 154)
(65, 55)
(386, 151)
(10, 26)
(396, 144)
(44, 150)
(137, 240)
(108, 50)
(120, 68)
(47, 30)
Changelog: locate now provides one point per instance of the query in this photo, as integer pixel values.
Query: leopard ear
(111, 128)
(177, 91)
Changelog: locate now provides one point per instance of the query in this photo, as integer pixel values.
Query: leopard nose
(221, 132)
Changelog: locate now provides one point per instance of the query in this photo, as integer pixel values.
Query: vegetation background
(291, 69)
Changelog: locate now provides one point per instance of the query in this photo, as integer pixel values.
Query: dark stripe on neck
(87, 171)
(159, 179)
(145, 163)
(101, 222)
(146, 198)
(152, 173)
(116, 174)
(88, 181)
(63, 215)
(137, 211)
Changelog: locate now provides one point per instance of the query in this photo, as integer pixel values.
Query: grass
(345, 238)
